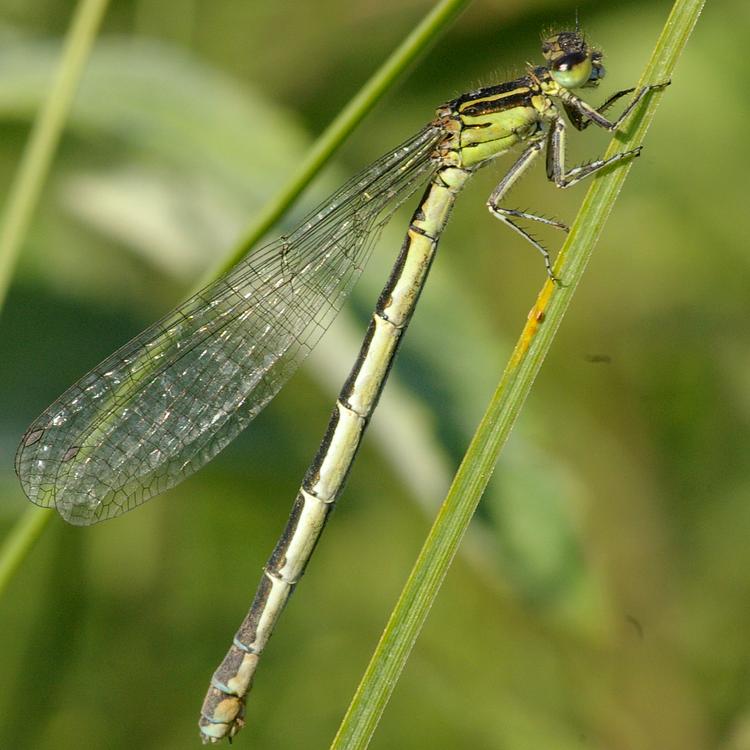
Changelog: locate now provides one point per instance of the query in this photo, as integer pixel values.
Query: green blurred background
(602, 599)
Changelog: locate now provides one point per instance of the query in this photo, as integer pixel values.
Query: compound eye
(572, 70)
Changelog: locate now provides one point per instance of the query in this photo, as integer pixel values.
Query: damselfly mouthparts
(167, 402)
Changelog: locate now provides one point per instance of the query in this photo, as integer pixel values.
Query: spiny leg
(504, 214)
(556, 171)
(580, 121)
(572, 102)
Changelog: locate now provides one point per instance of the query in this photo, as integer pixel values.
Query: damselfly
(167, 402)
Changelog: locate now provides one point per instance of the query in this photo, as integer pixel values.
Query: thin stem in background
(426, 32)
(23, 197)
(24, 192)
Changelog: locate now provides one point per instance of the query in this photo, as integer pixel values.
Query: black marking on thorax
(500, 98)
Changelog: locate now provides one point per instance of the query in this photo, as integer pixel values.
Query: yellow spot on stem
(534, 319)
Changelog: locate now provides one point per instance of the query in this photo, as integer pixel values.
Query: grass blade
(428, 573)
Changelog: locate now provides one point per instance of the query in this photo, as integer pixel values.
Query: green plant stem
(22, 200)
(45, 135)
(334, 135)
(428, 573)
(20, 540)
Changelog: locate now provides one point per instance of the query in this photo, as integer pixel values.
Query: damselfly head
(571, 62)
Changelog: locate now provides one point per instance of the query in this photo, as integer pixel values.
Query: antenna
(578, 27)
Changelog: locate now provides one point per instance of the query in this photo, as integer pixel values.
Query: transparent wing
(167, 402)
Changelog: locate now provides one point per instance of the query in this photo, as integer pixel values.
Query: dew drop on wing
(155, 458)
